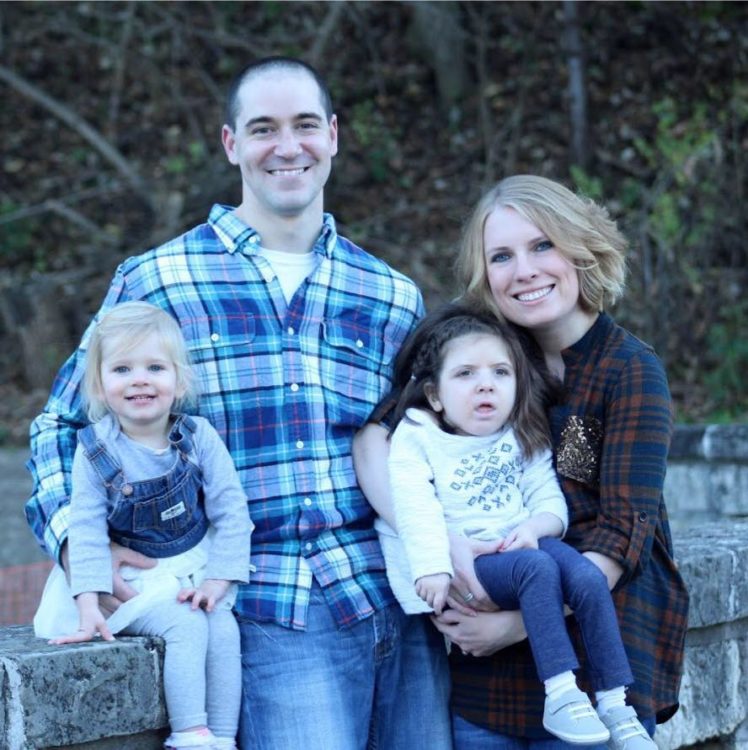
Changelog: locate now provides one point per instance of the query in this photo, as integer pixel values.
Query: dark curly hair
(421, 357)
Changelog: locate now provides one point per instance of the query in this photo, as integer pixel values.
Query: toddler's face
(477, 384)
(139, 384)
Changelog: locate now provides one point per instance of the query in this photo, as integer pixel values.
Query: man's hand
(206, 595)
(433, 589)
(121, 590)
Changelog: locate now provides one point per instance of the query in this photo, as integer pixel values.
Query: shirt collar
(238, 236)
(591, 340)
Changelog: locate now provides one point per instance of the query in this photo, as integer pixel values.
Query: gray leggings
(202, 665)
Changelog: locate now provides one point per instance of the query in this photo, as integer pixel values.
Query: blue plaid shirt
(285, 385)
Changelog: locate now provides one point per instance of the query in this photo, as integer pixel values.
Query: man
(292, 330)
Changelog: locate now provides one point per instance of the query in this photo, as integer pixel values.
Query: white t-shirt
(290, 268)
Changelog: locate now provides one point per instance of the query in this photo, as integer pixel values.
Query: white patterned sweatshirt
(480, 487)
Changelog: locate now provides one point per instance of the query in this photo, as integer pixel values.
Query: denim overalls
(159, 517)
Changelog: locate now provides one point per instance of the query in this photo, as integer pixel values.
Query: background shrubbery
(111, 117)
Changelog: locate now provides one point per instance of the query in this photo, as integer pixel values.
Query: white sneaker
(571, 718)
(626, 731)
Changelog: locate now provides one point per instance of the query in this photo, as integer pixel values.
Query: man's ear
(334, 135)
(228, 139)
(430, 390)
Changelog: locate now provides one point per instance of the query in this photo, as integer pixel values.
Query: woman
(551, 262)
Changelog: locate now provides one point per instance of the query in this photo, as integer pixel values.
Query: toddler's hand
(206, 595)
(522, 537)
(92, 622)
(433, 590)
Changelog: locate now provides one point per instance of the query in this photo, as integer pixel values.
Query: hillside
(111, 121)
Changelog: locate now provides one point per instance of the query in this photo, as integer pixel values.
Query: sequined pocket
(578, 454)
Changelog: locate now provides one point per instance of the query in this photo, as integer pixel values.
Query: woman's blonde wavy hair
(123, 327)
(579, 228)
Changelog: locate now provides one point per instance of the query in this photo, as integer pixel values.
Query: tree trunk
(440, 38)
(580, 150)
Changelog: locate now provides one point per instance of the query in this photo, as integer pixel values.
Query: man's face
(282, 143)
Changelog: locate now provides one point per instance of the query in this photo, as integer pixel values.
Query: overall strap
(181, 434)
(106, 467)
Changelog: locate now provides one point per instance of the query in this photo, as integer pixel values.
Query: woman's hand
(466, 592)
(482, 633)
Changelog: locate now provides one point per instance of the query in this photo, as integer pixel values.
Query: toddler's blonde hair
(123, 327)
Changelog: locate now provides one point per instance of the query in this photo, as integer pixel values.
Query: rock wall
(100, 696)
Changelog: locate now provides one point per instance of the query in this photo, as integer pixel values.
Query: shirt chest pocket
(355, 365)
(220, 350)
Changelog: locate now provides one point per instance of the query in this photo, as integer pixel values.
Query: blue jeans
(468, 736)
(382, 683)
(539, 582)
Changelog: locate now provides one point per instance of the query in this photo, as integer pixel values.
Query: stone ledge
(70, 696)
(713, 560)
(100, 696)
(717, 442)
(707, 474)
(714, 694)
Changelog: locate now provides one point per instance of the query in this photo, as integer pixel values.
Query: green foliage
(680, 223)
(586, 184)
(183, 163)
(17, 237)
(378, 143)
(728, 354)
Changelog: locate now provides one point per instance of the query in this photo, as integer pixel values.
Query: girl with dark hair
(470, 456)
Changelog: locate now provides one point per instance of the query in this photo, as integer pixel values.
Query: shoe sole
(575, 739)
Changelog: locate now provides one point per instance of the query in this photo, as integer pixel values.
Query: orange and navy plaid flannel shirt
(611, 434)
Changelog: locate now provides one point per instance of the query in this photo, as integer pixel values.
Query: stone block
(712, 697)
(726, 442)
(713, 560)
(687, 490)
(69, 695)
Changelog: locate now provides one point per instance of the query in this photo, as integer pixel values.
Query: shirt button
(290, 331)
(214, 337)
(308, 546)
(359, 344)
(299, 444)
(307, 501)
(642, 516)
(294, 387)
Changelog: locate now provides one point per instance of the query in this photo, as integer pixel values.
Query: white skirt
(57, 614)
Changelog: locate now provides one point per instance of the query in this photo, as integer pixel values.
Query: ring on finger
(468, 597)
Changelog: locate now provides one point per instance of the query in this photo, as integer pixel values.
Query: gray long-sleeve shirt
(225, 504)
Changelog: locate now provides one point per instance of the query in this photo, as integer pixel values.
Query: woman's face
(533, 284)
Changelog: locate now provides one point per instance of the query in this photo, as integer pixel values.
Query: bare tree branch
(327, 28)
(77, 218)
(88, 133)
(26, 212)
(119, 70)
